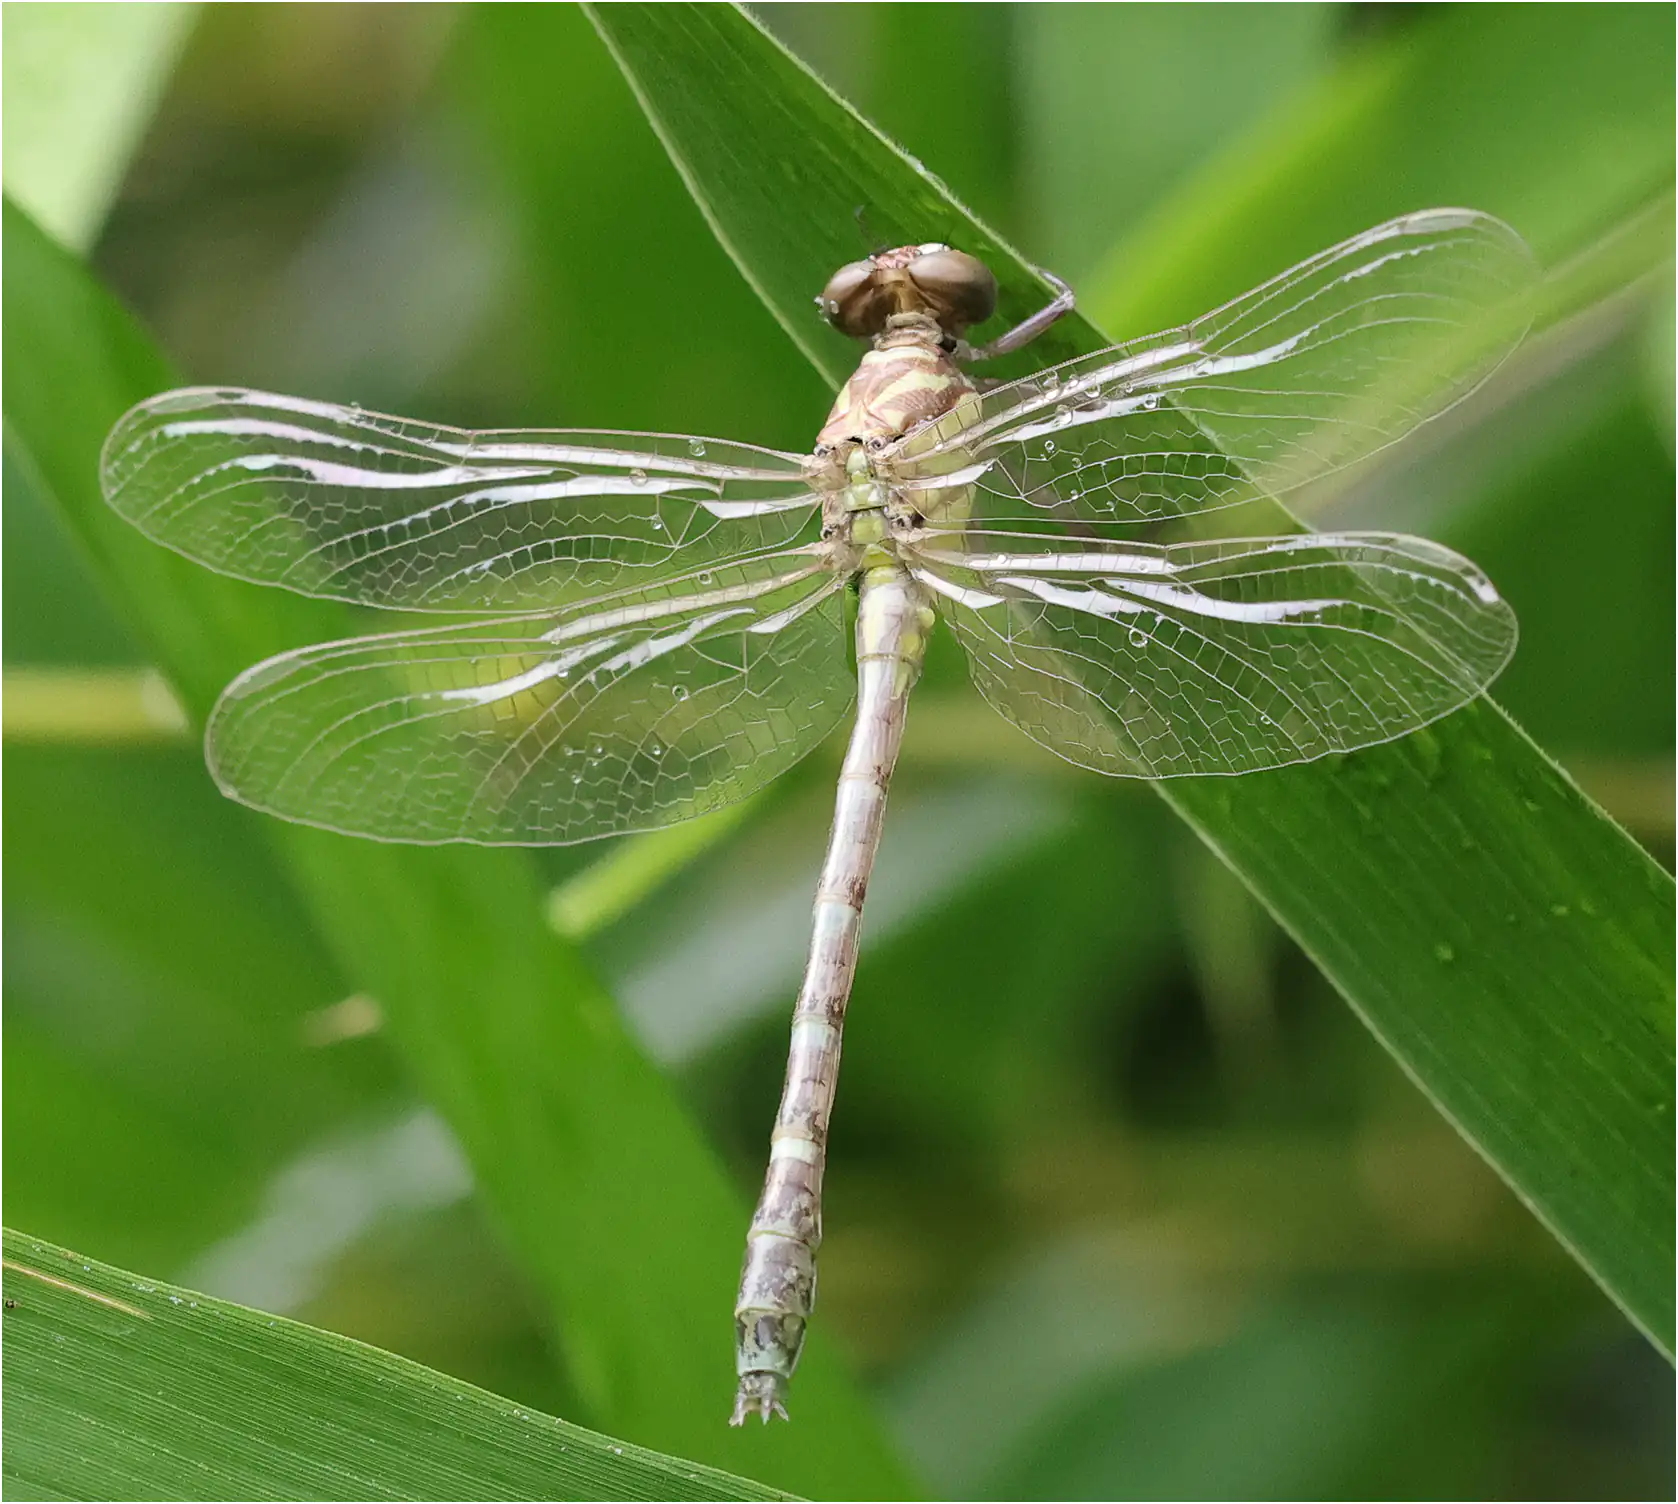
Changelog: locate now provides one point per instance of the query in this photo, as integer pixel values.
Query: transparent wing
(333, 501)
(632, 713)
(1222, 657)
(1311, 372)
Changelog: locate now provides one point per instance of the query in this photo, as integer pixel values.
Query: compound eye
(961, 287)
(846, 301)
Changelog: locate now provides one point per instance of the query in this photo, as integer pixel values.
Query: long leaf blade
(119, 1386)
(1510, 945)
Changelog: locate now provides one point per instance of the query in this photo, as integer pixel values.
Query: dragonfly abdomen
(778, 1282)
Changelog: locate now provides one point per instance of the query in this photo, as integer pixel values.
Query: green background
(1124, 1201)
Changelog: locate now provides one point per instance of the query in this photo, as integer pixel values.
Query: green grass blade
(119, 1387)
(831, 189)
(1508, 943)
(617, 1208)
(1575, 130)
(80, 83)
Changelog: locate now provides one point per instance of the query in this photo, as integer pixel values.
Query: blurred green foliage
(1124, 1201)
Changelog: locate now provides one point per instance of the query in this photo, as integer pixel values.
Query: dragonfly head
(949, 286)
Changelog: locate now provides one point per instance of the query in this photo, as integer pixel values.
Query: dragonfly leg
(1027, 329)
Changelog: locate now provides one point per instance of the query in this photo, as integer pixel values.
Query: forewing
(626, 715)
(1222, 657)
(333, 501)
(1311, 372)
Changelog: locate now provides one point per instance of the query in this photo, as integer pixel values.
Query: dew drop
(679, 691)
(1063, 415)
(696, 447)
(706, 577)
(637, 477)
(1048, 448)
(1051, 380)
(1150, 402)
(1138, 638)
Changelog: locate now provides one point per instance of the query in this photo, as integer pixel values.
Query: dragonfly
(626, 630)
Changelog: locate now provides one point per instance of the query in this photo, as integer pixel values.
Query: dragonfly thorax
(907, 379)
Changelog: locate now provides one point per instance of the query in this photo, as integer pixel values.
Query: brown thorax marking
(913, 304)
(907, 379)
